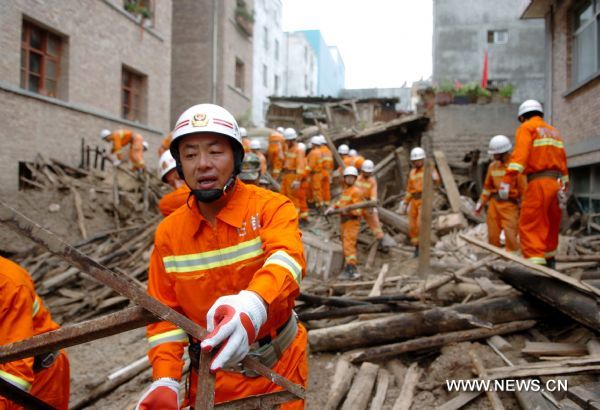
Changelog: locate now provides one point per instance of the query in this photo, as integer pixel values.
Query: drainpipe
(214, 51)
(549, 62)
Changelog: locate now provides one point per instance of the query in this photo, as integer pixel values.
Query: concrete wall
(460, 39)
(301, 72)
(458, 129)
(267, 14)
(402, 93)
(330, 83)
(575, 108)
(99, 38)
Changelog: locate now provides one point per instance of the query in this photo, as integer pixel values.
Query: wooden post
(331, 146)
(448, 180)
(399, 153)
(426, 216)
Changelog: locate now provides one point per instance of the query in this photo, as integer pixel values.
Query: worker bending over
(232, 262)
(367, 184)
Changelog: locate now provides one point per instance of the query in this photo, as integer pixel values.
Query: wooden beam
(426, 219)
(383, 382)
(342, 379)
(19, 396)
(482, 373)
(448, 180)
(554, 349)
(334, 152)
(407, 391)
(360, 392)
(376, 290)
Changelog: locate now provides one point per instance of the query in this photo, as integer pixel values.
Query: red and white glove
(504, 190)
(162, 394)
(478, 208)
(233, 322)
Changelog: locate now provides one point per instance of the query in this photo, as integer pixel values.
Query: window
(265, 75)
(276, 84)
(132, 87)
(239, 74)
(277, 50)
(586, 41)
(266, 38)
(497, 36)
(40, 60)
(585, 187)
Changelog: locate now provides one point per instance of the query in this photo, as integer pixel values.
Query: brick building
(73, 67)
(212, 55)
(573, 86)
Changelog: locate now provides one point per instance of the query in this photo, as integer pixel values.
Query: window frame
(25, 63)
(576, 32)
(134, 87)
(494, 36)
(239, 74)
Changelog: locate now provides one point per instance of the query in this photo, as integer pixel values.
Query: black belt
(544, 174)
(346, 218)
(45, 360)
(416, 195)
(497, 198)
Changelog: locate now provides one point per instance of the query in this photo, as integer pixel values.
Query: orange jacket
(136, 152)
(327, 158)
(351, 195)
(356, 161)
(295, 160)
(314, 161)
(415, 182)
(246, 144)
(263, 161)
(538, 147)
(493, 178)
(276, 152)
(166, 143)
(368, 187)
(173, 200)
(254, 245)
(120, 138)
(22, 315)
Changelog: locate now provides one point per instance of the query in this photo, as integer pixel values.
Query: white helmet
(204, 118)
(351, 171)
(166, 163)
(322, 140)
(243, 132)
(530, 105)
(290, 134)
(343, 149)
(104, 134)
(280, 130)
(145, 145)
(315, 140)
(499, 145)
(368, 166)
(254, 144)
(302, 146)
(352, 153)
(417, 153)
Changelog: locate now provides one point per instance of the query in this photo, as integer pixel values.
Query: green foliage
(242, 11)
(507, 90)
(445, 87)
(134, 7)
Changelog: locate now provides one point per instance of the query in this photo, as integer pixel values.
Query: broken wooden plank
(407, 391)
(360, 392)
(376, 290)
(359, 205)
(459, 401)
(482, 373)
(426, 219)
(383, 382)
(554, 349)
(586, 396)
(400, 222)
(448, 181)
(22, 397)
(342, 379)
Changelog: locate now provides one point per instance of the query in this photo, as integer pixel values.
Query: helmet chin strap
(211, 195)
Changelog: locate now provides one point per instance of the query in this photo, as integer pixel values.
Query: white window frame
(595, 24)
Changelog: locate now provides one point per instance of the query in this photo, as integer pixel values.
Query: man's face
(349, 180)
(367, 174)
(418, 163)
(207, 160)
(172, 178)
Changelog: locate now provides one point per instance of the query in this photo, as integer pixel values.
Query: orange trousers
(316, 188)
(286, 189)
(51, 385)
(539, 223)
(302, 198)
(414, 221)
(325, 187)
(372, 219)
(350, 229)
(503, 215)
(293, 365)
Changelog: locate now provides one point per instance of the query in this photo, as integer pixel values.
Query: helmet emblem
(199, 120)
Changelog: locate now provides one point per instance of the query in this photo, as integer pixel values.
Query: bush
(507, 90)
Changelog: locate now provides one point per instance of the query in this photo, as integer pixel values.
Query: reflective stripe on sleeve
(516, 167)
(284, 260)
(16, 381)
(36, 307)
(485, 192)
(545, 142)
(176, 335)
(498, 173)
(538, 260)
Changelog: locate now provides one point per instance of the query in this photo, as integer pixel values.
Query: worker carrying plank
(232, 262)
(23, 315)
(168, 174)
(367, 184)
(120, 139)
(350, 221)
(539, 154)
(502, 214)
(414, 189)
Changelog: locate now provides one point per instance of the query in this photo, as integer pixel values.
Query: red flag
(484, 75)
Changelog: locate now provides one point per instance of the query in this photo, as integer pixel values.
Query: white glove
(562, 199)
(504, 190)
(403, 208)
(162, 394)
(233, 322)
(295, 185)
(478, 208)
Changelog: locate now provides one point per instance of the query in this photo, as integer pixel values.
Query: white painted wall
(301, 73)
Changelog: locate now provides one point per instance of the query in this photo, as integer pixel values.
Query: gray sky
(383, 42)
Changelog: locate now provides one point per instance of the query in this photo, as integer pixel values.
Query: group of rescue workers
(228, 254)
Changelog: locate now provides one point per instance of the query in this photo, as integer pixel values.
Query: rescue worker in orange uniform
(168, 174)
(255, 149)
(276, 153)
(539, 154)
(501, 214)
(353, 159)
(250, 169)
(293, 171)
(119, 139)
(327, 170)
(164, 146)
(245, 139)
(23, 315)
(136, 152)
(232, 262)
(414, 190)
(367, 184)
(304, 190)
(314, 168)
(350, 221)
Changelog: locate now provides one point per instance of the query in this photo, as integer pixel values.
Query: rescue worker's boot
(416, 254)
(382, 246)
(551, 263)
(349, 273)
